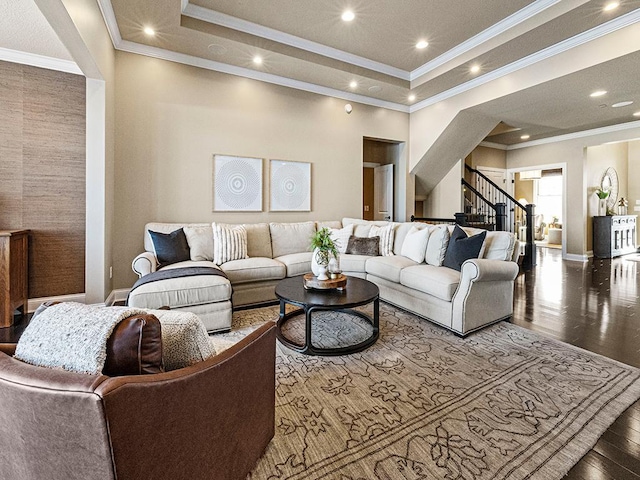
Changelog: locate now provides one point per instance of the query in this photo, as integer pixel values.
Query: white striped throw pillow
(386, 238)
(229, 243)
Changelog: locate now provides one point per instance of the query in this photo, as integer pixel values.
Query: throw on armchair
(211, 420)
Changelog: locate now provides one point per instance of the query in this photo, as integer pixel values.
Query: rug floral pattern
(422, 403)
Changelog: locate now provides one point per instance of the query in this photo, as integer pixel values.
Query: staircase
(489, 206)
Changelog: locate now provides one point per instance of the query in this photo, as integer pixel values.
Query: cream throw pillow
(340, 237)
(200, 240)
(437, 246)
(414, 246)
(229, 243)
(386, 238)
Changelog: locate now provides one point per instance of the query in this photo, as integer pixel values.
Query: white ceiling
(304, 44)
(23, 28)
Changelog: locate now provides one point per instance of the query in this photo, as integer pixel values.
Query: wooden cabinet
(14, 274)
(614, 235)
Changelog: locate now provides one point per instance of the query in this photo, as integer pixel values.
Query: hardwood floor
(593, 305)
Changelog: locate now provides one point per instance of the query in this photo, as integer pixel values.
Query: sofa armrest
(219, 414)
(484, 295)
(144, 264)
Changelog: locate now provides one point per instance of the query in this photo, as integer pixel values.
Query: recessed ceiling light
(353, 84)
(637, 114)
(375, 88)
(474, 68)
(622, 104)
(149, 31)
(525, 137)
(598, 93)
(412, 97)
(422, 44)
(217, 49)
(611, 6)
(348, 16)
(257, 60)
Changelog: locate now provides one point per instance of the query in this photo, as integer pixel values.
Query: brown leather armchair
(212, 420)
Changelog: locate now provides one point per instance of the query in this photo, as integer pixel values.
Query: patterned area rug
(422, 403)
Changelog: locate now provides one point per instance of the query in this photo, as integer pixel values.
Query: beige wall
(488, 157)
(445, 200)
(171, 119)
(633, 182)
(599, 158)
(522, 189)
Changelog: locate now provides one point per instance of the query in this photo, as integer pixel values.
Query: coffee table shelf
(356, 293)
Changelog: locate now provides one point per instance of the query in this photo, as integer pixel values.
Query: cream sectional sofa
(462, 301)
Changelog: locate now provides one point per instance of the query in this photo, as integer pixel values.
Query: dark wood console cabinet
(614, 235)
(14, 274)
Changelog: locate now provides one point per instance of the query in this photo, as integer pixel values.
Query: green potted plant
(323, 249)
(602, 201)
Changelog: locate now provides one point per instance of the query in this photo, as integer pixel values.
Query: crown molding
(497, 146)
(234, 23)
(486, 35)
(620, 127)
(110, 20)
(539, 56)
(41, 61)
(146, 50)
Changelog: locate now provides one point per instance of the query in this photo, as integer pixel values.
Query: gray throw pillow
(363, 246)
(170, 247)
(462, 248)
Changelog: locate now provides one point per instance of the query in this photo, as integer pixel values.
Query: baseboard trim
(572, 257)
(34, 303)
(118, 295)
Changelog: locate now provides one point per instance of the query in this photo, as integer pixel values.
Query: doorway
(380, 160)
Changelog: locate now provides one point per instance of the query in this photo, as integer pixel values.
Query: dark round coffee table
(357, 292)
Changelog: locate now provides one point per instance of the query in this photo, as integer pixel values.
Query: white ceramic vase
(322, 273)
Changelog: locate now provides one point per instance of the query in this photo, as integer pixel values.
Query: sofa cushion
(329, 224)
(254, 269)
(354, 263)
(415, 244)
(182, 292)
(184, 339)
(401, 230)
(289, 238)
(340, 237)
(135, 347)
(296, 263)
(200, 240)
(437, 245)
(229, 243)
(258, 240)
(437, 281)
(386, 238)
(388, 268)
(498, 246)
(462, 248)
(170, 247)
(363, 246)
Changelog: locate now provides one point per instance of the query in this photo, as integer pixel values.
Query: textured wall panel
(49, 190)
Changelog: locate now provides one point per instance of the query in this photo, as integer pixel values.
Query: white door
(496, 175)
(383, 193)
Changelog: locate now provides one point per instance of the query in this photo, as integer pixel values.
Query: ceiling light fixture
(474, 68)
(412, 97)
(149, 31)
(257, 60)
(637, 114)
(622, 104)
(598, 93)
(611, 6)
(348, 16)
(422, 44)
(525, 137)
(353, 84)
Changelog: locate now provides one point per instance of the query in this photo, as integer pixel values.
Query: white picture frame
(290, 186)
(237, 184)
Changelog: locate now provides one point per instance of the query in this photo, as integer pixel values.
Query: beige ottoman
(555, 236)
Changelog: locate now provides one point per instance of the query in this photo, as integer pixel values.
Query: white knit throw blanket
(71, 336)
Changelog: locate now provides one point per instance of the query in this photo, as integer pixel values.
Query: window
(548, 197)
